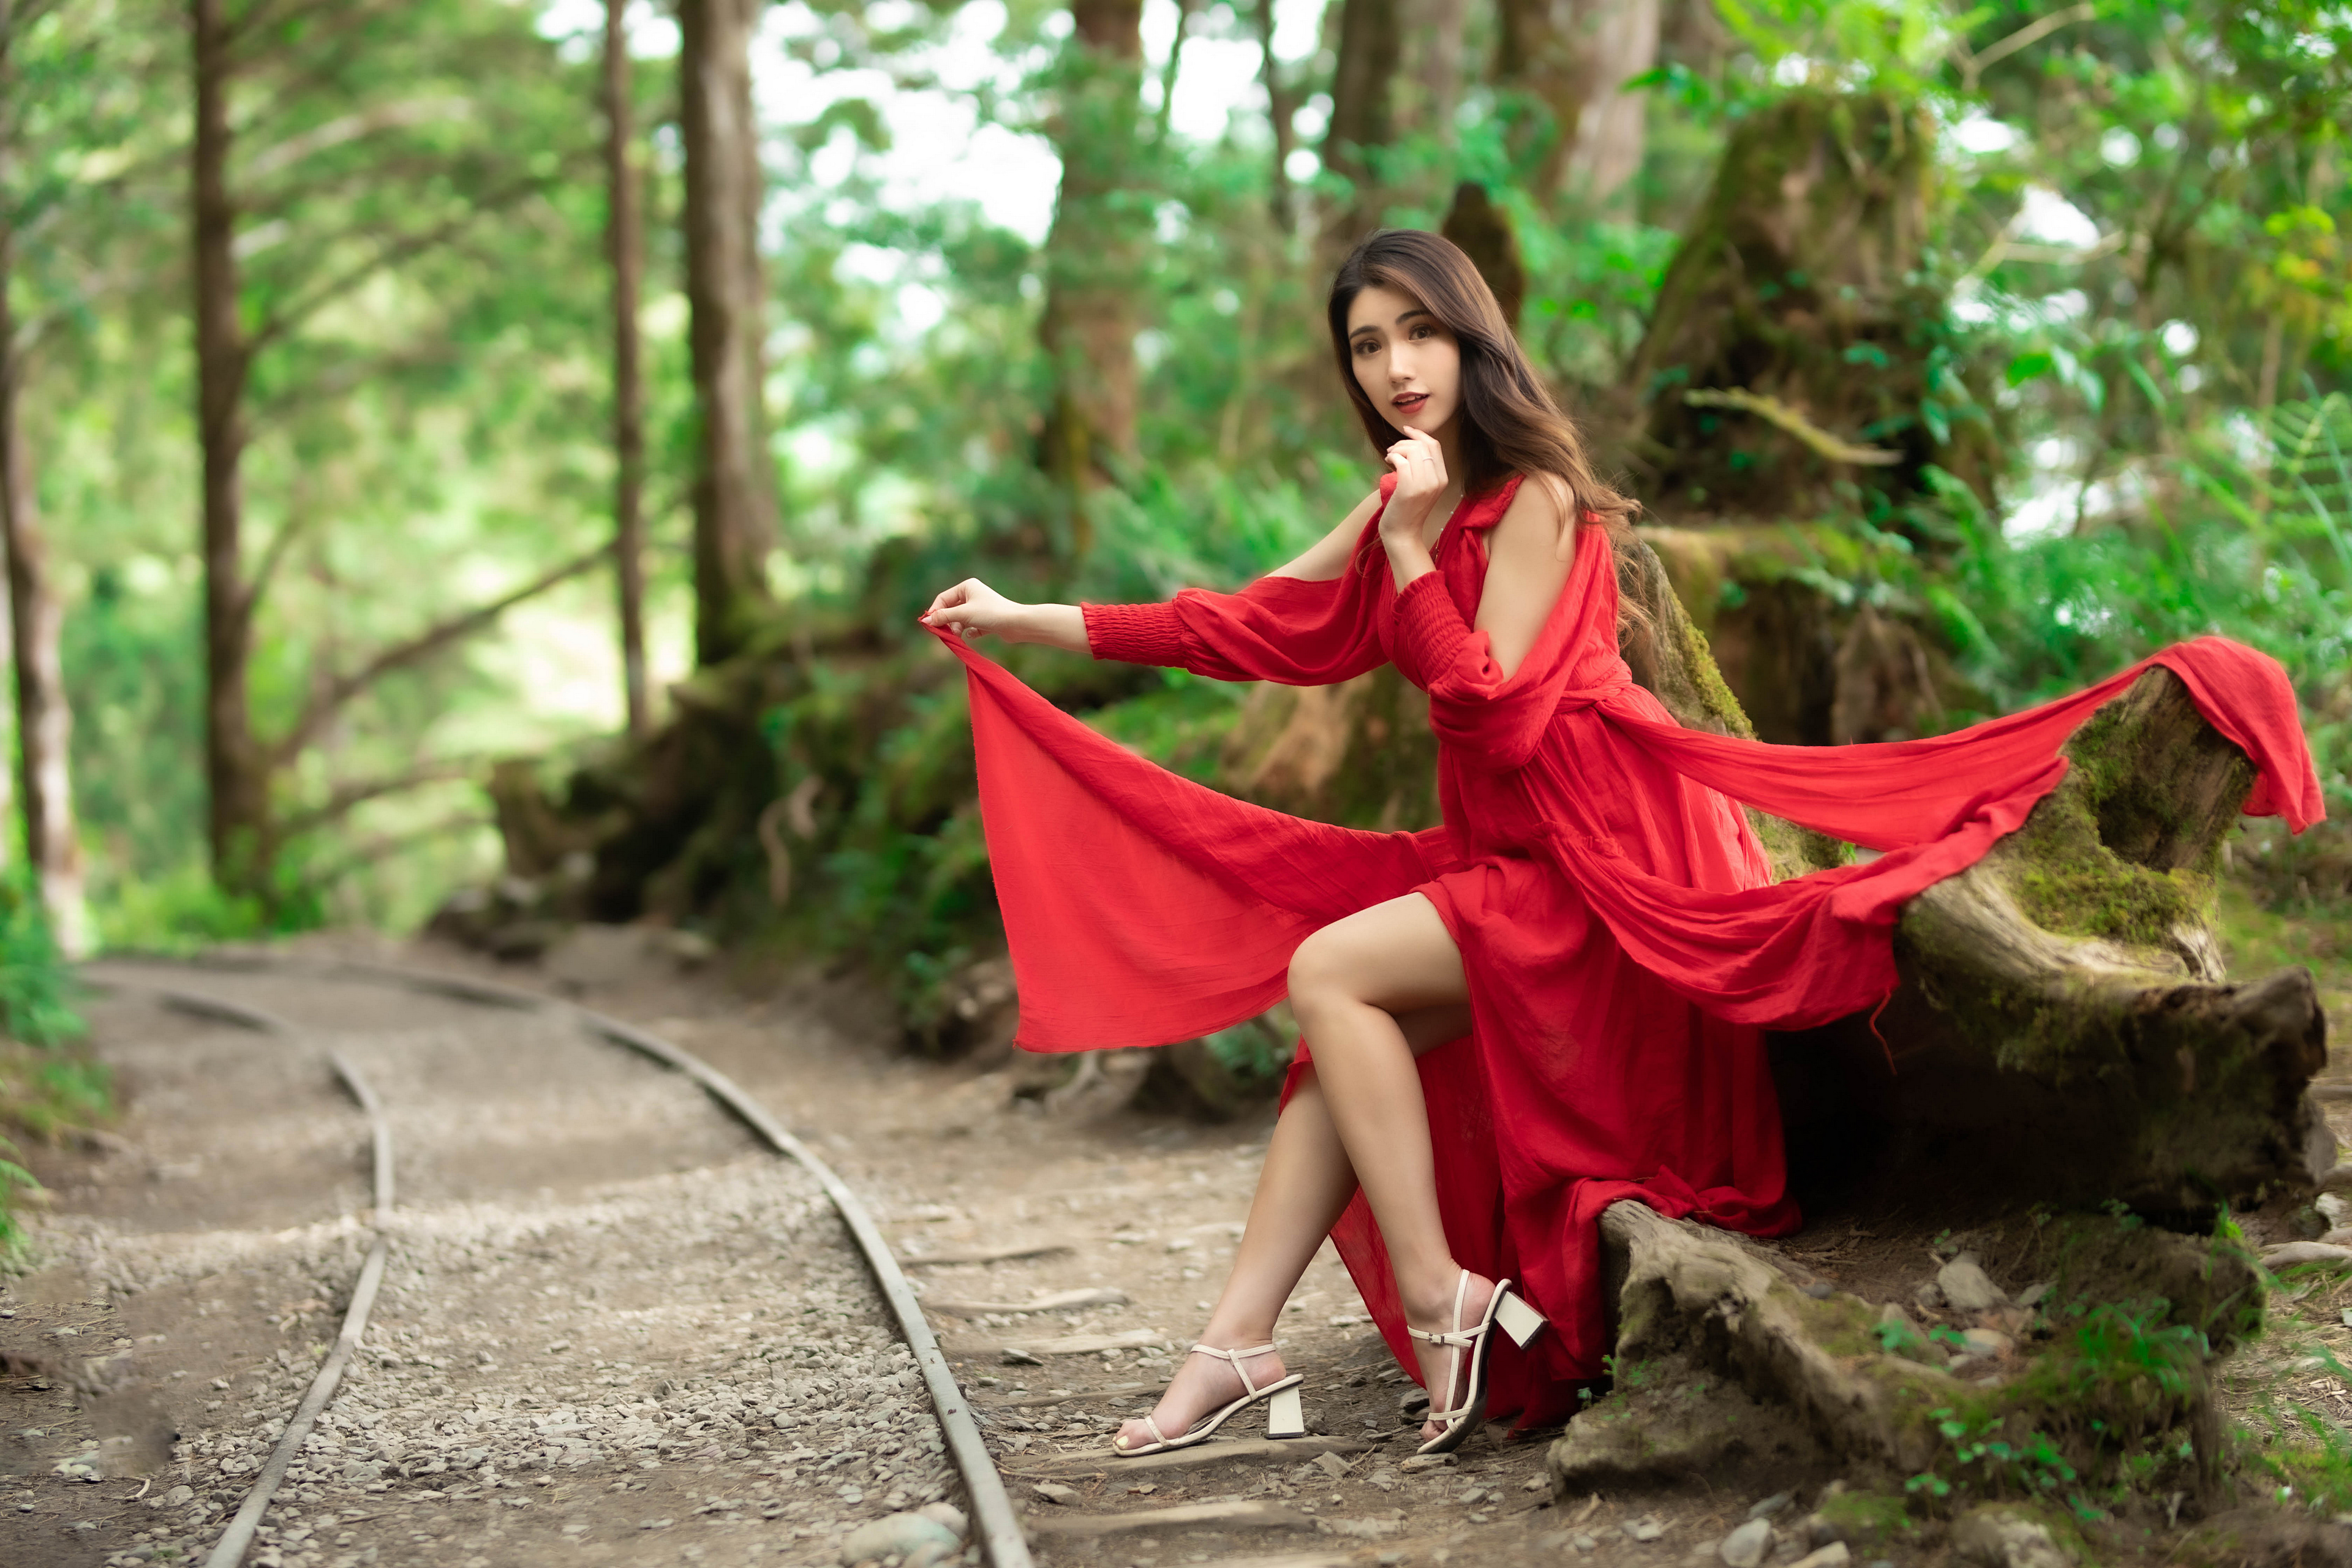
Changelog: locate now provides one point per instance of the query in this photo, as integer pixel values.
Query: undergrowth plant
(46, 1085)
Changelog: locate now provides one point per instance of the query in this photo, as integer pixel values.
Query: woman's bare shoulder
(1328, 557)
(1540, 520)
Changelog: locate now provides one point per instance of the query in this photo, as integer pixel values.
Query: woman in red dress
(1550, 1003)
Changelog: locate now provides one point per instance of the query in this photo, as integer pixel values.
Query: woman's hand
(1422, 480)
(972, 610)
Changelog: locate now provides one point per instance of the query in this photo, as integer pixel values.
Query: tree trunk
(1281, 107)
(1095, 256)
(1432, 30)
(625, 240)
(1797, 289)
(1364, 117)
(1573, 57)
(43, 722)
(734, 485)
(235, 770)
(1484, 231)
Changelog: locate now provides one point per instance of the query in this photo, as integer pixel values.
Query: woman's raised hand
(1420, 465)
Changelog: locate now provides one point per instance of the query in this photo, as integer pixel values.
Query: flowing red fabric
(1624, 945)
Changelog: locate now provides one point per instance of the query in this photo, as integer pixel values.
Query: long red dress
(1623, 943)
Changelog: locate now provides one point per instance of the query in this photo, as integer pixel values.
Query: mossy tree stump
(2065, 1038)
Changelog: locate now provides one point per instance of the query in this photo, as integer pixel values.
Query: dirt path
(615, 1332)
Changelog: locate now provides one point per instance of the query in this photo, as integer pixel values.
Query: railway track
(420, 1061)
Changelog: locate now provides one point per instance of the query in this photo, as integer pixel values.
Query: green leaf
(2027, 366)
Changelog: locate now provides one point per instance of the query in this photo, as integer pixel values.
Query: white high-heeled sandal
(1285, 1416)
(1518, 1319)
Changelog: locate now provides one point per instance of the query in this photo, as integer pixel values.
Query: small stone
(1583, 1542)
(1646, 1528)
(948, 1514)
(1771, 1505)
(1425, 1462)
(655, 1523)
(1412, 1401)
(909, 1537)
(1967, 1286)
(1055, 1493)
(1834, 1556)
(1536, 1484)
(1014, 1357)
(1331, 1465)
(1746, 1546)
(178, 1497)
(1998, 1537)
(1988, 1342)
(1929, 1298)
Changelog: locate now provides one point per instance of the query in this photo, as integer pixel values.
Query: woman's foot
(1204, 1385)
(1441, 1362)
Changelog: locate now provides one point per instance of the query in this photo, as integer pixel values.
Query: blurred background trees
(1958, 356)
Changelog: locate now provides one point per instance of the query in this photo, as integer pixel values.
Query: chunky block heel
(1286, 1418)
(1465, 1376)
(1517, 1318)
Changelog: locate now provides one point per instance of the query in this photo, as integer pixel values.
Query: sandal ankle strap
(1236, 1357)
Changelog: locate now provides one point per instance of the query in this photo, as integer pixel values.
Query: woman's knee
(1321, 974)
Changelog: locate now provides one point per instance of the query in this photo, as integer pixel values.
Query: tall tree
(625, 239)
(43, 721)
(734, 485)
(1281, 109)
(1095, 253)
(1363, 114)
(1432, 31)
(413, 202)
(1572, 60)
(236, 776)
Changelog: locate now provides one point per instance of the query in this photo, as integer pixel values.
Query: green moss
(2069, 882)
(1866, 1518)
(1844, 1325)
(1714, 693)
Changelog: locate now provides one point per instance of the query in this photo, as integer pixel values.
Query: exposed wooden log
(1724, 1358)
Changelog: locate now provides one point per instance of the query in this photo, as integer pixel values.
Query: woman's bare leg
(1348, 983)
(1305, 1182)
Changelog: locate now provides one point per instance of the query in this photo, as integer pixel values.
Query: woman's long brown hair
(1509, 423)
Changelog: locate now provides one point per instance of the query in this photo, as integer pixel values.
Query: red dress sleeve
(1282, 629)
(1489, 719)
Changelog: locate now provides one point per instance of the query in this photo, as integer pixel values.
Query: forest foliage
(2135, 311)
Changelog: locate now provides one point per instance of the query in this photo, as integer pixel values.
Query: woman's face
(1408, 364)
